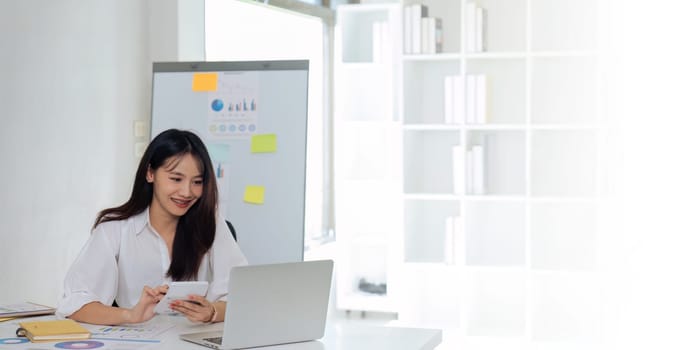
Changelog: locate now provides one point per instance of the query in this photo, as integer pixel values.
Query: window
(236, 31)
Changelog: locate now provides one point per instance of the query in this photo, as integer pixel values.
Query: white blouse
(121, 257)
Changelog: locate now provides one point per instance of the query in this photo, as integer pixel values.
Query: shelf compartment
(356, 32)
(449, 11)
(564, 90)
(563, 163)
(424, 85)
(489, 239)
(564, 25)
(504, 160)
(364, 93)
(367, 152)
(428, 161)
(495, 303)
(505, 81)
(366, 263)
(563, 236)
(367, 207)
(505, 25)
(566, 307)
(432, 296)
(425, 229)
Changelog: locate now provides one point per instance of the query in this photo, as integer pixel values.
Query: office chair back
(233, 230)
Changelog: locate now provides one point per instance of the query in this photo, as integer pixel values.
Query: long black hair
(195, 230)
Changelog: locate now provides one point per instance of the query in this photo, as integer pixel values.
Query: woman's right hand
(143, 310)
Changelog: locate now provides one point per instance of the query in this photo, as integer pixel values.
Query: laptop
(272, 304)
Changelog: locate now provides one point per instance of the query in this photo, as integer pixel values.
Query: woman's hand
(196, 308)
(143, 310)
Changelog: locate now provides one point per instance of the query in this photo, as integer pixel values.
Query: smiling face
(176, 185)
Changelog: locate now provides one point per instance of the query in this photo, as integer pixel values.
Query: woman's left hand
(196, 308)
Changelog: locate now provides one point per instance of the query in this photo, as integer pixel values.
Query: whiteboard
(239, 109)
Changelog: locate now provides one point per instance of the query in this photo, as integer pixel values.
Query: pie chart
(217, 105)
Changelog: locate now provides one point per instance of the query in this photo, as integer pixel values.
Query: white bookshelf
(367, 151)
(533, 230)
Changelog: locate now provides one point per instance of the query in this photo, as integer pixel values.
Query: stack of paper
(25, 309)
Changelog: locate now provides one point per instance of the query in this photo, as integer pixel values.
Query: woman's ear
(149, 175)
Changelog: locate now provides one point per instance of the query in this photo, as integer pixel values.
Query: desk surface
(338, 336)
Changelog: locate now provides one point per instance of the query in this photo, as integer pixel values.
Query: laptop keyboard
(216, 340)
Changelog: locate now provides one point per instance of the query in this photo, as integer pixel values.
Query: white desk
(338, 337)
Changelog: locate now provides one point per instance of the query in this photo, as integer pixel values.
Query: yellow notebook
(44, 331)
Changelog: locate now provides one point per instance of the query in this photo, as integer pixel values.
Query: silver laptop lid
(277, 303)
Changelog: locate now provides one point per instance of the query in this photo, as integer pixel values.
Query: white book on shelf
(424, 35)
(407, 30)
(459, 241)
(431, 42)
(486, 148)
(458, 167)
(458, 100)
(437, 35)
(386, 41)
(480, 28)
(449, 240)
(478, 175)
(418, 11)
(431, 32)
(469, 172)
(449, 96)
(480, 98)
(470, 27)
(470, 98)
(377, 44)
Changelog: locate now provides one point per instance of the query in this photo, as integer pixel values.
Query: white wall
(175, 30)
(75, 76)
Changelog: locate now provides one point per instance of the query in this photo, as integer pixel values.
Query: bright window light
(240, 31)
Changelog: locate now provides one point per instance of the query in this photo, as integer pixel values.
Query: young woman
(167, 231)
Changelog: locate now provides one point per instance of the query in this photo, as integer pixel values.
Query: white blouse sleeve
(93, 275)
(224, 254)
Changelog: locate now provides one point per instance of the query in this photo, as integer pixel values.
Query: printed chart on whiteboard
(233, 107)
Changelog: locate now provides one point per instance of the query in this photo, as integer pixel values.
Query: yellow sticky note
(265, 143)
(254, 194)
(204, 82)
